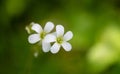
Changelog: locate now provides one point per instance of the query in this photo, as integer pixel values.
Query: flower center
(42, 35)
(59, 40)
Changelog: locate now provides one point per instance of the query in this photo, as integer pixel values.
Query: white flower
(60, 39)
(41, 34)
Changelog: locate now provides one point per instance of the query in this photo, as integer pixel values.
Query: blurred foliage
(96, 41)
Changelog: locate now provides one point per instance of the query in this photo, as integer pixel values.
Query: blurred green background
(96, 41)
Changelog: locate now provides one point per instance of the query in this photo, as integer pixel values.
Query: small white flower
(60, 39)
(41, 34)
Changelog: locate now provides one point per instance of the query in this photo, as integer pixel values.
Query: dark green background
(96, 42)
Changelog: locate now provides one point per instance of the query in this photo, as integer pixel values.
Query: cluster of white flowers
(58, 38)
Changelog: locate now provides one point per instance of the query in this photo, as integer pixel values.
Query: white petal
(36, 27)
(48, 27)
(55, 48)
(67, 46)
(34, 38)
(68, 36)
(59, 30)
(50, 38)
(54, 33)
(45, 46)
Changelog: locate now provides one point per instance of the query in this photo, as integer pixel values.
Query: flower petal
(54, 33)
(50, 38)
(68, 36)
(45, 46)
(59, 30)
(48, 27)
(55, 48)
(36, 27)
(67, 46)
(33, 38)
